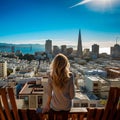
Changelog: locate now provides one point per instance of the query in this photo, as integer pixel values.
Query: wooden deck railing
(112, 109)
(11, 112)
(74, 114)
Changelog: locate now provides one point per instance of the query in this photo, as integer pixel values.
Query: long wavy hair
(60, 70)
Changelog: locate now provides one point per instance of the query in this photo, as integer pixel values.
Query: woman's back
(60, 85)
(61, 98)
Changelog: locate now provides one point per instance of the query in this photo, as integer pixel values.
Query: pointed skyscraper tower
(79, 46)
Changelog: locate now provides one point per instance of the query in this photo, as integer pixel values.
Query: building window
(84, 104)
(95, 90)
(26, 100)
(95, 84)
(92, 105)
(40, 101)
(76, 105)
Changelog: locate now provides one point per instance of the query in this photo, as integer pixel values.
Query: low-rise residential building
(98, 72)
(82, 100)
(34, 93)
(113, 72)
(3, 69)
(97, 85)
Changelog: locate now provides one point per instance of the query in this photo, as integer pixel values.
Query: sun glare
(102, 2)
(100, 5)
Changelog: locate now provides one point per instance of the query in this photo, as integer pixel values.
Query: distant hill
(21, 45)
(24, 48)
(5, 44)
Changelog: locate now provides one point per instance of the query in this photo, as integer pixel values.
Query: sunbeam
(97, 4)
(81, 3)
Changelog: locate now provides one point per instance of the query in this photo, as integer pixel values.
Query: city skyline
(35, 21)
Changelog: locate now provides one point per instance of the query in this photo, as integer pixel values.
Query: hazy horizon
(88, 46)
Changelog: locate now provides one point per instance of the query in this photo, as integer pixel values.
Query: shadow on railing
(74, 114)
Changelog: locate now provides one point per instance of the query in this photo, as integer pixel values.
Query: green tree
(28, 57)
(9, 71)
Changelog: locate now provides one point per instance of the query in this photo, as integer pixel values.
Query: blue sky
(34, 21)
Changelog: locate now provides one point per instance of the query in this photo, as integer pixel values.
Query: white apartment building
(97, 85)
(82, 100)
(3, 69)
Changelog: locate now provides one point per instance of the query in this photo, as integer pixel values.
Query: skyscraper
(95, 50)
(79, 46)
(13, 49)
(63, 49)
(115, 51)
(48, 46)
(56, 50)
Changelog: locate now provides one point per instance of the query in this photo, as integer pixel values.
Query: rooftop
(31, 89)
(81, 96)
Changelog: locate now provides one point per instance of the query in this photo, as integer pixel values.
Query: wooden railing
(11, 112)
(112, 109)
(74, 114)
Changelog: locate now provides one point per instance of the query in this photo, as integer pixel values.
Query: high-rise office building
(56, 50)
(86, 52)
(69, 51)
(3, 69)
(63, 49)
(95, 50)
(13, 49)
(48, 46)
(79, 46)
(115, 51)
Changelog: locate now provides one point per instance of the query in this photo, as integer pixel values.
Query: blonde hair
(60, 70)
